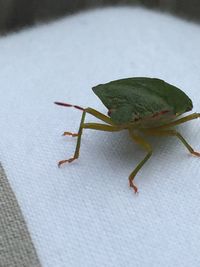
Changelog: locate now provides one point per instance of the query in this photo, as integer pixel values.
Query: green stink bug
(140, 105)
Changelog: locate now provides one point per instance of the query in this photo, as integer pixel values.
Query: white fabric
(84, 214)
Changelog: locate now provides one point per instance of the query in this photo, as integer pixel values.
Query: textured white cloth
(84, 214)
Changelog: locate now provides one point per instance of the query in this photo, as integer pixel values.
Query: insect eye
(109, 113)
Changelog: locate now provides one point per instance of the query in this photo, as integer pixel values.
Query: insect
(143, 106)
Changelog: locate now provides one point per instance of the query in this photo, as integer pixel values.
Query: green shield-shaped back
(133, 99)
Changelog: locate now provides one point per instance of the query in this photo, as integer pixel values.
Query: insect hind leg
(178, 122)
(173, 133)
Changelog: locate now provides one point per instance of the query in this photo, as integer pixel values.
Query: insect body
(139, 105)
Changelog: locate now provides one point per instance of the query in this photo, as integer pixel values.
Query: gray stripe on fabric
(16, 247)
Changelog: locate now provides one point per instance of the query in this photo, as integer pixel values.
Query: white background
(84, 214)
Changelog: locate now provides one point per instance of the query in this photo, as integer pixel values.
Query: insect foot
(197, 154)
(66, 161)
(131, 184)
(71, 134)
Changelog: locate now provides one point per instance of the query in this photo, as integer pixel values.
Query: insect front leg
(94, 113)
(78, 144)
(92, 126)
(88, 110)
(139, 140)
(97, 115)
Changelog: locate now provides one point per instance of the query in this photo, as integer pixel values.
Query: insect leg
(97, 115)
(179, 121)
(76, 154)
(93, 126)
(102, 127)
(173, 133)
(139, 140)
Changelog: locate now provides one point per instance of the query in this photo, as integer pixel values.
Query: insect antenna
(69, 105)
